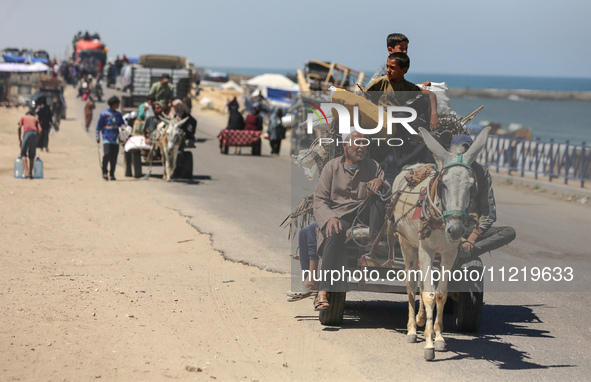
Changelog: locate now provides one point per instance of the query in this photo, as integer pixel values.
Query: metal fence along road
(562, 161)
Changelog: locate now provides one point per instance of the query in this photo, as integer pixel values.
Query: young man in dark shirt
(394, 90)
(108, 123)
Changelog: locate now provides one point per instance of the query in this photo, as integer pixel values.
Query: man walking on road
(31, 129)
(109, 122)
(88, 110)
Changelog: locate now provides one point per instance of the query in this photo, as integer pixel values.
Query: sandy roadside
(100, 281)
(218, 98)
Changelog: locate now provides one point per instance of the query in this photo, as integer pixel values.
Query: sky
(518, 37)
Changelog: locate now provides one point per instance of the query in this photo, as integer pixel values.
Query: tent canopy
(275, 81)
(231, 85)
(23, 68)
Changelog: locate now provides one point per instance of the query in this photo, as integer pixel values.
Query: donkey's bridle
(445, 213)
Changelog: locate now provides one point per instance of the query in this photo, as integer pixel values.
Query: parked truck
(137, 79)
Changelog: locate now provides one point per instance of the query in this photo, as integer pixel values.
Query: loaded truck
(138, 78)
(90, 54)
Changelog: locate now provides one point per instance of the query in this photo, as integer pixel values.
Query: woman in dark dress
(45, 118)
(236, 120)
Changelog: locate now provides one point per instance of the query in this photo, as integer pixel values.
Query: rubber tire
(256, 148)
(468, 307)
(136, 158)
(128, 163)
(449, 305)
(336, 309)
(187, 171)
(179, 172)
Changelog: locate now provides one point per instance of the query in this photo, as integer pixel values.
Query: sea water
(559, 120)
(464, 81)
(458, 81)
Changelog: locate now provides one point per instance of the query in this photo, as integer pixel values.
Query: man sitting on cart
(178, 113)
(482, 237)
(151, 124)
(162, 90)
(343, 186)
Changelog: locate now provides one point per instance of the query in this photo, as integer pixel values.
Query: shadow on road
(195, 180)
(497, 320)
(502, 320)
(247, 154)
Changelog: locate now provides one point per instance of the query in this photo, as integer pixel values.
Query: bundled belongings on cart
(320, 75)
(414, 206)
(324, 147)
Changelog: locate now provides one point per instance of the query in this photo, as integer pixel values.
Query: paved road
(530, 332)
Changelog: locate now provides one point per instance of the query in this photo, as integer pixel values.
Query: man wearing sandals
(343, 185)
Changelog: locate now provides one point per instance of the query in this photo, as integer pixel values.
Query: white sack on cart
(136, 142)
(442, 92)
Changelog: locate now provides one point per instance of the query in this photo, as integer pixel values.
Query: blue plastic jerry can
(38, 169)
(19, 168)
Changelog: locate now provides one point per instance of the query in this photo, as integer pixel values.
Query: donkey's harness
(430, 199)
(446, 213)
(432, 217)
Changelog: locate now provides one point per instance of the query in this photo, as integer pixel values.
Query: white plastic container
(38, 169)
(19, 168)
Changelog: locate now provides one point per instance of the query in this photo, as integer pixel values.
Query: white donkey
(168, 138)
(420, 240)
(174, 138)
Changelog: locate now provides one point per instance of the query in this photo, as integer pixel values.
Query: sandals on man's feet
(298, 296)
(320, 303)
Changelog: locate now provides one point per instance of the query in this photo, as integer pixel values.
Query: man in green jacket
(162, 91)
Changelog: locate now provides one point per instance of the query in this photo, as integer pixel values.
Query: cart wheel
(336, 309)
(256, 148)
(184, 166)
(128, 163)
(136, 157)
(187, 165)
(449, 304)
(468, 307)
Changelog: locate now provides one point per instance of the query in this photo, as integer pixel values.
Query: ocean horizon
(456, 81)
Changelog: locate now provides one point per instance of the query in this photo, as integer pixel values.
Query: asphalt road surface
(529, 331)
